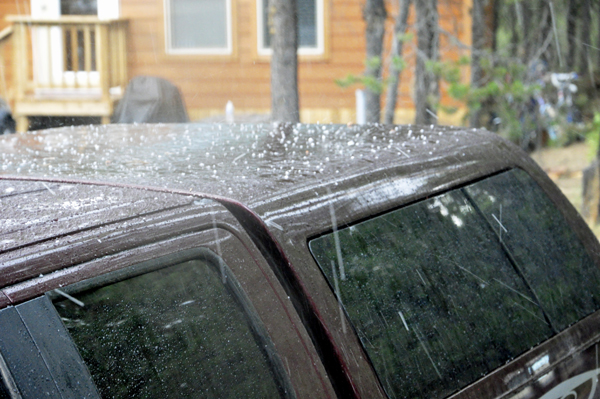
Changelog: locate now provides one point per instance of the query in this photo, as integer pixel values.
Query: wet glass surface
(4, 394)
(435, 295)
(552, 258)
(177, 332)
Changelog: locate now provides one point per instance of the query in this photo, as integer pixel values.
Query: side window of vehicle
(6, 381)
(536, 234)
(435, 293)
(171, 329)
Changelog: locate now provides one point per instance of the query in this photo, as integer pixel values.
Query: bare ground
(565, 167)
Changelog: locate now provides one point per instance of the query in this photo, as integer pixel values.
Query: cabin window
(310, 26)
(198, 26)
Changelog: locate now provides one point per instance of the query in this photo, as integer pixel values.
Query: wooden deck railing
(70, 66)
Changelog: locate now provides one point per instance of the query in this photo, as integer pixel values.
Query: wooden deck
(71, 66)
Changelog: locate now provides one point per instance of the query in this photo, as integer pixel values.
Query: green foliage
(505, 93)
(348, 81)
(405, 37)
(398, 63)
(371, 83)
(373, 63)
(460, 91)
(593, 136)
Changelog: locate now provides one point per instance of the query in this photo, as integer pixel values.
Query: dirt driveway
(565, 167)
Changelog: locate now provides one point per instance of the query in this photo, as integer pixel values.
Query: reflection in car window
(176, 332)
(553, 260)
(435, 294)
(4, 394)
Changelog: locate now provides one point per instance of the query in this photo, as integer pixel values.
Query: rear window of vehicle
(180, 331)
(444, 291)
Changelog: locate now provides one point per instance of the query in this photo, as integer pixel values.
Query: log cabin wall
(207, 82)
(13, 7)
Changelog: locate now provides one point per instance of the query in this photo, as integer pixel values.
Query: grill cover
(150, 99)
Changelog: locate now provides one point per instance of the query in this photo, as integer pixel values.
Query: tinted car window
(553, 260)
(4, 394)
(433, 292)
(178, 332)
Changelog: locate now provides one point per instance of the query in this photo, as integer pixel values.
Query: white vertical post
(46, 57)
(229, 112)
(361, 112)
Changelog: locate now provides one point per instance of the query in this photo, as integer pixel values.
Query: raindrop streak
(427, 352)
(402, 152)
(464, 269)
(529, 311)
(49, 189)
(500, 224)
(421, 277)
(70, 298)
(336, 239)
(277, 226)
(431, 113)
(221, 265)
(339, 296)
(403, 320)
(516, 292)
(239, 157)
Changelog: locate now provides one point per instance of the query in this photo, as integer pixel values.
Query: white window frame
(228, 50)
(320, 22)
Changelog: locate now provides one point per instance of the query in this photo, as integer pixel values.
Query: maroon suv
(304, 261)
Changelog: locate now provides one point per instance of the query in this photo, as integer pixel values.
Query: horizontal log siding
(8, 7)
(208, 82)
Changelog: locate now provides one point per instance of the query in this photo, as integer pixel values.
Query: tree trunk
(544, 45)
(284, 62)
(495, 22)
(571, 31)
(374, 15)
(478, 34)
(426, 83)
(514, 25)
(397, 46)
(527, 25)
(598, 38)
(585, 36)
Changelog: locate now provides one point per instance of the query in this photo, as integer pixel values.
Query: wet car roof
(287, 174)
(248, 163)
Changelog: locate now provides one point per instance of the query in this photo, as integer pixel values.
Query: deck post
(20, 70)
(102, 64)
(22, 123)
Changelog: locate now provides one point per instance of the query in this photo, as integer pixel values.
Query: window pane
(307, 24)
(4, 394)
(266, 34)
(437, 298)
(78, 7)
(198, 24)
(553, 260)
(177, 332)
